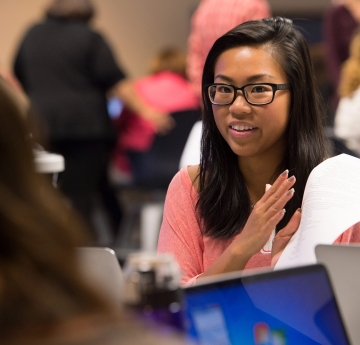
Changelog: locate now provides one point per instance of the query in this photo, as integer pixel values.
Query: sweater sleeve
(351, 235)
(180, 232)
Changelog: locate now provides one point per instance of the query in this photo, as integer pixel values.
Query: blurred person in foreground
(212, 19)
(43, 296)
(68, 70)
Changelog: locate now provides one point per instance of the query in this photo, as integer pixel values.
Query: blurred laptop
(102, 270)
(290, 306)
(343, 265)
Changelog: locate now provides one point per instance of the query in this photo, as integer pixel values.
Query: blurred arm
(125, 90)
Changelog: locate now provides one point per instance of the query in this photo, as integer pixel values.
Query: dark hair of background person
(40, 281)
(222, 191)
(169, 59)
(71, 9)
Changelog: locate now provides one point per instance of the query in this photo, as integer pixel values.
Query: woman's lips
(241, 128)
(242, 131)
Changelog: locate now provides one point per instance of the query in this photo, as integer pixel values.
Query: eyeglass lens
(257, 94)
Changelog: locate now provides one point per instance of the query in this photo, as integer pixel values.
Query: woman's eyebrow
(250, 79)
(258, 76)
(224, 77)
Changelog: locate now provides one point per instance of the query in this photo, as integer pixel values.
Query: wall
(299, 7)
(135, 29)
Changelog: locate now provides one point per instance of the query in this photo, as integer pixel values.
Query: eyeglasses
(255, 94)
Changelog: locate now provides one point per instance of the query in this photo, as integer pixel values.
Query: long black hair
(224, 202)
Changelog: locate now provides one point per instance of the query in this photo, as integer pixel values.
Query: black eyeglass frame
(275, 87)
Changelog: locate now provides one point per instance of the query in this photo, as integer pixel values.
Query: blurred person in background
(212, 19)
(165, 88)
(67, 69)
(340, 21)
(347, 116)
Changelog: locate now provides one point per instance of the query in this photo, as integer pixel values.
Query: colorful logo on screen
(264, 335)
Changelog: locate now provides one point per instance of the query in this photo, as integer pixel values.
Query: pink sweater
(180, 233)
(164, 91)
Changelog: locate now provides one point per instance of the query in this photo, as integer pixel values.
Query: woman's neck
(258, 172)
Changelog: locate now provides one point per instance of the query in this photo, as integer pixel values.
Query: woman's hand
(266, 214)
(283, 237)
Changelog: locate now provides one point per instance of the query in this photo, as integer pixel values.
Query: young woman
(262, 129)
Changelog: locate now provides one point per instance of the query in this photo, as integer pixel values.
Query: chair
(48, 163)
(156, 168)
(191, 152)
(153, 170)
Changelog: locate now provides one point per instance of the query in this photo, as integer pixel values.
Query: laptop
(102, 270)
(343, 264)
(289, 306)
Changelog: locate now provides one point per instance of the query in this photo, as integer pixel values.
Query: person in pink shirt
(211, 19)
(166, 89)
(262, 136)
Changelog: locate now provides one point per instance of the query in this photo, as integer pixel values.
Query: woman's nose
(240, 104)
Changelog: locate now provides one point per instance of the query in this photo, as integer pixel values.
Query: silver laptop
(343, 265)
(102, 270)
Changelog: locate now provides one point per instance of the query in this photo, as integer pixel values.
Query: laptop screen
(290, 306)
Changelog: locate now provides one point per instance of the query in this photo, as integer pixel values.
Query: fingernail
(299, 210)
(290, 192)
(285, 173)
(291, 178)
(282, 212)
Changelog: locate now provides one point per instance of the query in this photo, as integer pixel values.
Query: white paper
(331, 205)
